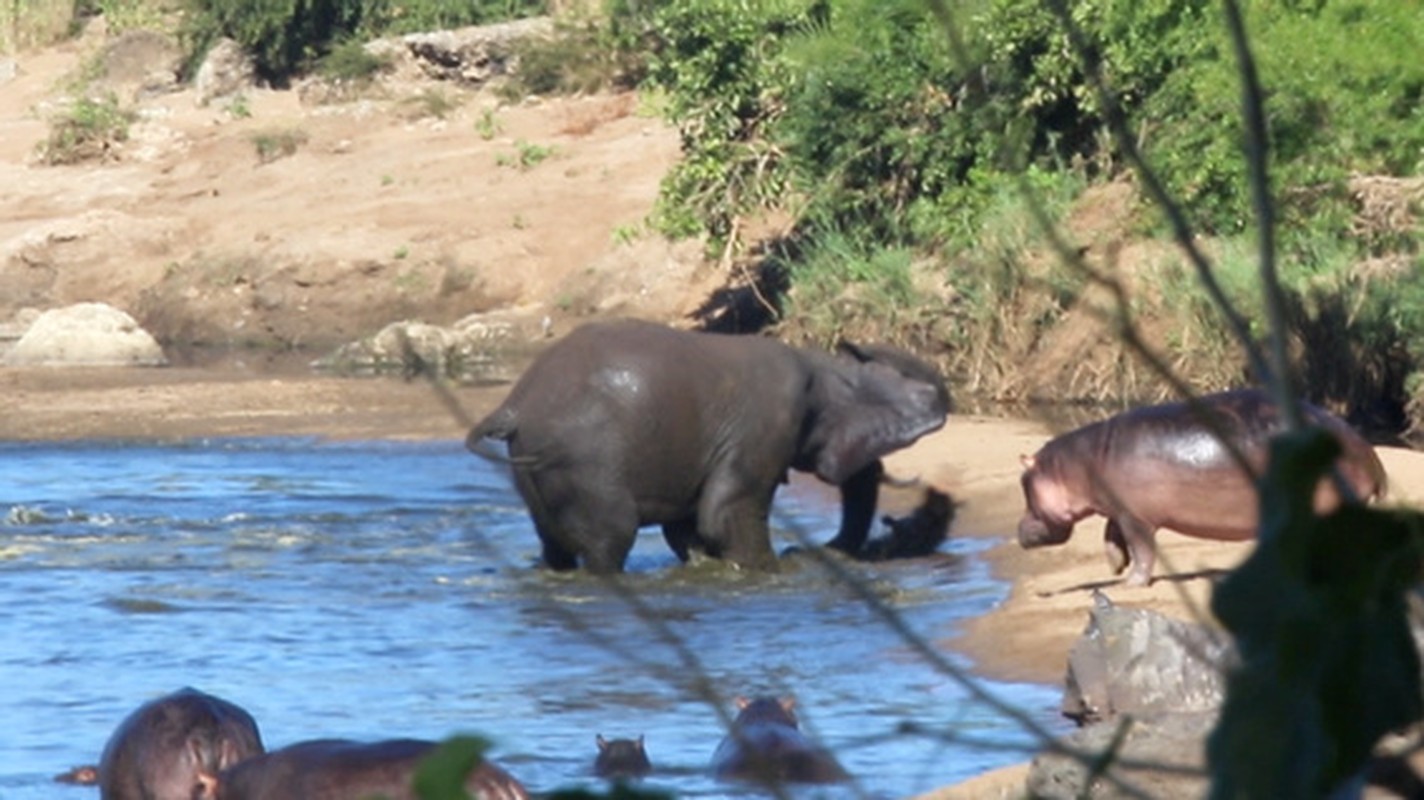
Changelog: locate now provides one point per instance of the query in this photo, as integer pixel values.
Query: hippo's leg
(1115, 547)
(1129, 540)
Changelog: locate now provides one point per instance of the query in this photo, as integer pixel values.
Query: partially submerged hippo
(163, 750)
(339, 769)
(1161, 466)
(917, 534)
(621, 759)
(765, 745)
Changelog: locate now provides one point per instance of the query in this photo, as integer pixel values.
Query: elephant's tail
(499, 425)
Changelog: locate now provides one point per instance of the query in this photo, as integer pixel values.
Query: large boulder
(480, 348)
(470, 56)
(139, 64)
(1162, 756)
(1137, 661)
(226, 71)
(86, 334)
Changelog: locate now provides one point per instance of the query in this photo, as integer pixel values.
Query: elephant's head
(870, 401)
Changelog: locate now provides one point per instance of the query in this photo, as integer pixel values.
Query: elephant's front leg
(859, 495)
(682, 537)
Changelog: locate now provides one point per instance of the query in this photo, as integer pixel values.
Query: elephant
(628, 423)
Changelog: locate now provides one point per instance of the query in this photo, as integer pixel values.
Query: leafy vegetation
(351, 62)
(278, 143)
(87, 130)
(861, 120)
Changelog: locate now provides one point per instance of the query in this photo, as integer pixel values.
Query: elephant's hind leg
(598, 524)
(554, 553)
(732, 520)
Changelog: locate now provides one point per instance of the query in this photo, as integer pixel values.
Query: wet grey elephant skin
(166, 748)
(765, 745)
(339, 769)
(1163, 467)
(626, 423)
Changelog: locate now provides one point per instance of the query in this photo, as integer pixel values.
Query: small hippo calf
(338, 769)
(917, 534)
(163, 750)
(1162, 466)
(765, 745)
(621, 759)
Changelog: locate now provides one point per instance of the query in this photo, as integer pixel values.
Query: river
(387, 589)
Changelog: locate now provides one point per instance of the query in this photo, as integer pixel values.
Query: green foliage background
(857, 121)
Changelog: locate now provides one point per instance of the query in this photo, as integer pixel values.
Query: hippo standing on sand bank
(1162, 466)
(165, 748)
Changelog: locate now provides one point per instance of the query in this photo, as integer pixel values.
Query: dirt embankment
(265, 222)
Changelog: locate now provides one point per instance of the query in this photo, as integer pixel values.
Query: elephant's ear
(885, 401)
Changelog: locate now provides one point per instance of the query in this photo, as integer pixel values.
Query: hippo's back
(338, 769)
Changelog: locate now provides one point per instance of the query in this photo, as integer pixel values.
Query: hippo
(621, 759)
(84, 775)
(163, 749)
(1162, 466)
(340, 769)
(916, 534)
(765, 745)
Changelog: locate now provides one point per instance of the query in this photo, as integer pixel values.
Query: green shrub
(277, 143)
(718, 61)
(350, 62)
(88, 130)
(1345, 86)
(581, 57)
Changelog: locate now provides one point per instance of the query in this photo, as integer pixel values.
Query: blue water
(375, 590)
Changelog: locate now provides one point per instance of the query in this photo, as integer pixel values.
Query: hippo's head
(1044, 523)
(1038, 532)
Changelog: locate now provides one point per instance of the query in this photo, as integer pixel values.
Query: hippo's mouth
(1036, 532)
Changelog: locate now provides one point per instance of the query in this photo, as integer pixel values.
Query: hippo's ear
(600, 741)
(788, 704)
(1029, 462)
(741, 702)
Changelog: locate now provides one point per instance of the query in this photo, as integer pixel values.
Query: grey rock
(1162, 756)
(139, 64)
(472, 55)
(86, 334)
(1137, 661)
(481, 348)
(226, 71)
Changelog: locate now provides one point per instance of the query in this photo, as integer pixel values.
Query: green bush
(719, 63)
(1345, 94)
(86, 131)
(350, 62)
